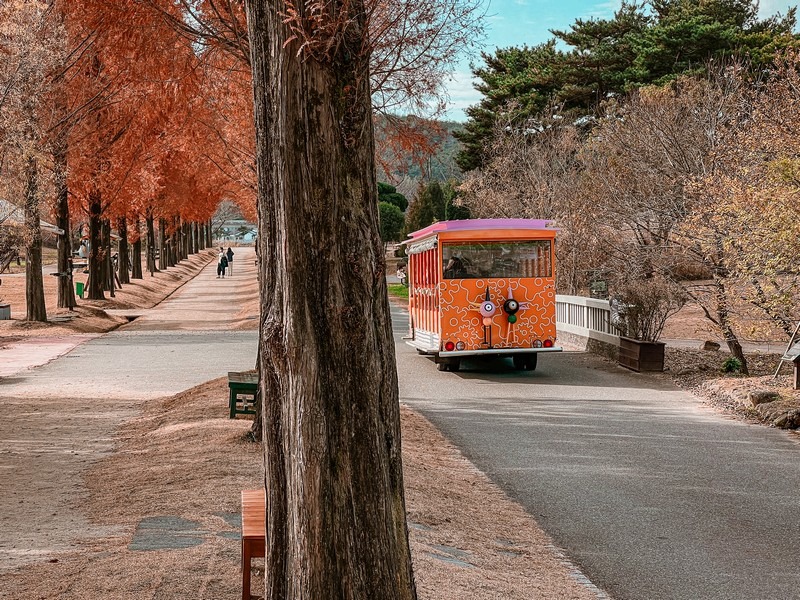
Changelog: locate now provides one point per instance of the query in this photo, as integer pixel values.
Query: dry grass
(183, 458)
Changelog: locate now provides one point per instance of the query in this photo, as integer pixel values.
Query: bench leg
(246, 556)
(232, 402)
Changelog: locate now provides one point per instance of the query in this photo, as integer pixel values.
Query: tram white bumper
(495, 351)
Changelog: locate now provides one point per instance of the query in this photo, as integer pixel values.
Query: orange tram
(483, 287)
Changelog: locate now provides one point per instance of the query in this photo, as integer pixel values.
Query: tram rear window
(480, 260)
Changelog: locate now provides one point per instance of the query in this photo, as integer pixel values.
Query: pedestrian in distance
(222, 264)
(229, 256)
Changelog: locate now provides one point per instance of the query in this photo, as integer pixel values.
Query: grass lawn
(398, 290)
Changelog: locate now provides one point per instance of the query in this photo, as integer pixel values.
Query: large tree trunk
(66, 286)
(136, 259)
(96, 281)
(196, 238)
(174, 243)
(336, 521)
(34, 283)
(209, 235)
(170, 250)
(187, 239)
(177, 236)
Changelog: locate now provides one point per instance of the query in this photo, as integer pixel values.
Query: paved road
(190, 338)
(60, 418)
(653, 495)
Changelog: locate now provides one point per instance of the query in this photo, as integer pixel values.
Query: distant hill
(407, 167)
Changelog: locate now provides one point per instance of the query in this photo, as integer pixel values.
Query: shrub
(640, 307)
(732, 365)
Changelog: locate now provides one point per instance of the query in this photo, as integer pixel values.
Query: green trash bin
(79, 288)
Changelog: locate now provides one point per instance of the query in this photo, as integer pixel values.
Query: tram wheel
(525, 362)
(449, 364)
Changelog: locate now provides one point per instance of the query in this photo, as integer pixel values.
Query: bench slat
(254, 542)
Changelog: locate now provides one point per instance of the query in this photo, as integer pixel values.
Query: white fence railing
(586, 317)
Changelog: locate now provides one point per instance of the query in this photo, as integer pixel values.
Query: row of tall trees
(104, 120)
(142, 112)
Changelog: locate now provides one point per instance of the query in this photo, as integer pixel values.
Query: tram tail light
(537, 344)
(460, 346)
(449, 346)
(548, 343)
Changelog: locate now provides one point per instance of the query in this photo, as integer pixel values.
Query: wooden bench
(253, 533)
(243, 389)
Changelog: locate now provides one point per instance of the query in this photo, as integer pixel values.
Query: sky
(521, 22)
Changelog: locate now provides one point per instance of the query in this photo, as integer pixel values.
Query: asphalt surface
(653, 495)
(188, 339)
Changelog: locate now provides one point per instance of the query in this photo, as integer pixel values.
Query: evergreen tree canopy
(602, 57)
(427, 207)
(388, 193)
(391, 221)
(516, 83)
(642, 44)
(686, 34)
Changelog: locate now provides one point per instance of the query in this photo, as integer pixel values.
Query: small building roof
(14, 214)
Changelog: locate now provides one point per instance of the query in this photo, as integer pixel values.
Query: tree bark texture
(66, 286)
(108, 268)
(136, 258)
(162, 244)
(124, 252)
(336, 521)
(34, 283)
(96, 282)
(151, 244)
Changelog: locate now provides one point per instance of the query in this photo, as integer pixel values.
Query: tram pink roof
(481, 224)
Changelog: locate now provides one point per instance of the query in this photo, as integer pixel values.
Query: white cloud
(603, 10)
(767, 8)
(462, 95)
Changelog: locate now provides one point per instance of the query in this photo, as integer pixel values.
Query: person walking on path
(229, 256)
(222, 263)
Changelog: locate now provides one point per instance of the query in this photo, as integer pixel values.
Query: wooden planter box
(641, 356)
(5, 312)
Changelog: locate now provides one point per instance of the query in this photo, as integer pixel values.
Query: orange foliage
(142, 132)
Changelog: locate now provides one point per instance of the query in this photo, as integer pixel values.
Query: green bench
(243, 390)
